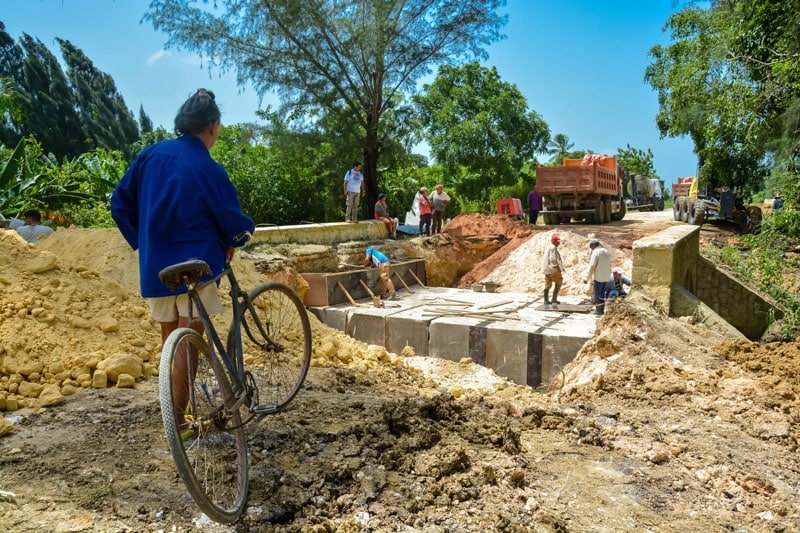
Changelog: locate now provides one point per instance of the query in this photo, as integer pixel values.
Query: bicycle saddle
(193, 269)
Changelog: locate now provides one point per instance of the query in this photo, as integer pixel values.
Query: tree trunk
(372, 145)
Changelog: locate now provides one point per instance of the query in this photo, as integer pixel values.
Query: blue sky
(580, 64)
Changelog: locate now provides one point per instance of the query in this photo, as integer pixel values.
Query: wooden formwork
(324, 288)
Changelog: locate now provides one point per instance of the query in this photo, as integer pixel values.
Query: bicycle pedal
(265, 409)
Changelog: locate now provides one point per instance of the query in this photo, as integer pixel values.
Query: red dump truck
(587, 189)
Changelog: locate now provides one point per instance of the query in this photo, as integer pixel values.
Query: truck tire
(676, 208)
(699, 215)
(607, 210)
(619, 215)
(550, 219)
(754, 219)
(690, 212)
(597, 216)
(684, 209)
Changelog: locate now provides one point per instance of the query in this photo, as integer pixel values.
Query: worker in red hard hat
(552, 267)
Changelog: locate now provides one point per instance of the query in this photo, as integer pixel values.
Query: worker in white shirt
(599, 273)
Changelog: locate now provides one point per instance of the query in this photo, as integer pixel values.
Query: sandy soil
(657, 425)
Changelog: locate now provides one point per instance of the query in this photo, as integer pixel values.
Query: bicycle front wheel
(276, 342)
(204, 433)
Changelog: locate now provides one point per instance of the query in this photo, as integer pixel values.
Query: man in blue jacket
(176, 203)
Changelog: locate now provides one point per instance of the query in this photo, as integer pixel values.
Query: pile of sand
(71, 303)
(522, 269)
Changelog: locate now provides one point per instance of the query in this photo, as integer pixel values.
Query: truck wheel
(607, 210)
(699, 215)
(676, 208)
(597, 216)
(690, 213)
(623, 209)
(754, 219)
(684, 209)
(549, 219)
(564, 219)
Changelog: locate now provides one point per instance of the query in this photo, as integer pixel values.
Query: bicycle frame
(234, 363)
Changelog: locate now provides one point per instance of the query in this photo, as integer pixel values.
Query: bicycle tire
(277, 373)
(213, 462)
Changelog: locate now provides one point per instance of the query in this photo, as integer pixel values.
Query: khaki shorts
(169, 308)
(554, 277)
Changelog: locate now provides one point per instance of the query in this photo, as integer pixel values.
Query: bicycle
(270, 334)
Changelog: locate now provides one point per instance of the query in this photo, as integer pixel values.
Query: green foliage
(730, 80)
(107, 121)
(476, 121)
(67, 113)
(151, 137)
(559, 146)
(761, 262)
(636, 161)
(333, 57)
(275, 186)
(31, 179)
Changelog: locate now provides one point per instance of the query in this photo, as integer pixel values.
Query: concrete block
(557, 351)
(403, 329)
(450, 338)
(366, 327)
(507, 353)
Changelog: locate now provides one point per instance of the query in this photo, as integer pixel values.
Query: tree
(333, 56)
(559, 146)
(635, 161)
(476, 121)
(106, 119)
(11, 75)
(730, 81)
(48, 105)
(145, 124)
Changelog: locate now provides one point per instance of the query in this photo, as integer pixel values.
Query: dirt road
(658, 425)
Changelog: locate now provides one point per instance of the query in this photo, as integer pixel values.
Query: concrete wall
(328, 233)
(669, 260)
(742, 308)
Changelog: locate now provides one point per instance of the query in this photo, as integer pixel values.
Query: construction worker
(599, 273)
(552, 267)
(374, 258)
(616, 286)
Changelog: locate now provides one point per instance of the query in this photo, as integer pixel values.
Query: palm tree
(559, 146)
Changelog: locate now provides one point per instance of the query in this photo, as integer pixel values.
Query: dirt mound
(72, 302)
(519, 268)
(60, 320)
(477, 224)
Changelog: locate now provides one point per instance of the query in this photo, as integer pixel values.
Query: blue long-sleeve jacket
(175, 203)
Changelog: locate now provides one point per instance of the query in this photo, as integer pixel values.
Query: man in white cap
(599, 273)
(617, 283)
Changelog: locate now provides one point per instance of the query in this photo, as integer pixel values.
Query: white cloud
(155, 57)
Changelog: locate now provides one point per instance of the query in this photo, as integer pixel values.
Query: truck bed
(581, 179)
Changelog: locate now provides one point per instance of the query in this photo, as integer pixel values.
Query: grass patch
(768, 262)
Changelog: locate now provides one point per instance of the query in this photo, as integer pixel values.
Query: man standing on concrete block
(599, 273)
(353, 190)
(374, 258)
(552, 267)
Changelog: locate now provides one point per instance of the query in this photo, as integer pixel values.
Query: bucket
(477, 287)
(490, 286)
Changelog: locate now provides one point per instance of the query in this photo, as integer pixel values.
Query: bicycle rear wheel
(212, 461)
(276, 341)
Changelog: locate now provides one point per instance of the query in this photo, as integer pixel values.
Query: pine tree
(11, 73)
(48, 105)
(107, 120)
(145, 124)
